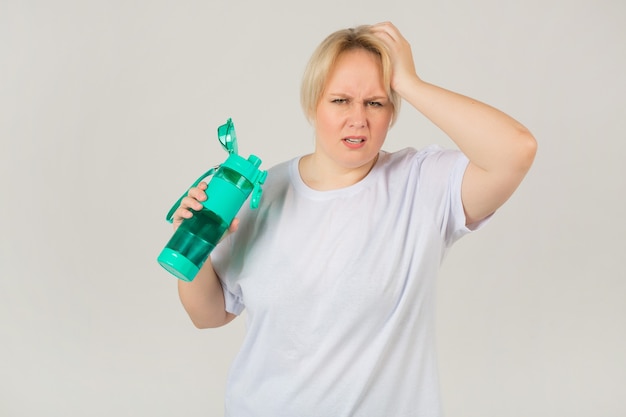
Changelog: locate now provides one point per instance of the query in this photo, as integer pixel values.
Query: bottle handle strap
(170, 214)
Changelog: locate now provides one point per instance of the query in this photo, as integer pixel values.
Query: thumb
(234, 225)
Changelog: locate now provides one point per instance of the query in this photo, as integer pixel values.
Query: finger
(179, 216)
(386, 30)
(234, 225)
(182, 213)
(191, 203)
(385, 24)
(197, 193)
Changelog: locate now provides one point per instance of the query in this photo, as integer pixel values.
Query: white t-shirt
(339, 289)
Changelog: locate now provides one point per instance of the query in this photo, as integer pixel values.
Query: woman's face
(354, 111)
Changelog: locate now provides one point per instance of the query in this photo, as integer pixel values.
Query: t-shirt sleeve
(459, 227)
(232, 294)
(442, 174)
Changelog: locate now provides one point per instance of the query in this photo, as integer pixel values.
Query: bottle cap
(227, 137)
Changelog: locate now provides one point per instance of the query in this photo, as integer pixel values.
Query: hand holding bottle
(193, 202)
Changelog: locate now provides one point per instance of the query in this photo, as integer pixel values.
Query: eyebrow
(367, 99)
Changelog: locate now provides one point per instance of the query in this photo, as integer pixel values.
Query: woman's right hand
(193, 201)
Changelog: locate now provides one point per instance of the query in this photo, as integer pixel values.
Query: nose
(357, 116)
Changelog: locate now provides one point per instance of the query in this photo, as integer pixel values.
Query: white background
(109, 110)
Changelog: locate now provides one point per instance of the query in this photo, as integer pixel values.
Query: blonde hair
(325, 56)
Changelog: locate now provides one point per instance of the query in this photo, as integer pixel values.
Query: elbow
(212, 322)
(531, 146)
(202, 324)
(526, 150)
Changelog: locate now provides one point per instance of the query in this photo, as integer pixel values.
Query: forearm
(492, 140)
(203, 299)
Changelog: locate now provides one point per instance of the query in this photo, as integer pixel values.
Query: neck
(325, 177)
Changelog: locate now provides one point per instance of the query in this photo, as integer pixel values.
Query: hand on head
(400, 53)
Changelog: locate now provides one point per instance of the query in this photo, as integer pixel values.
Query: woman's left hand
(403, 67)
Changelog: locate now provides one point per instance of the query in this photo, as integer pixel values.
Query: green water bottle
(232, 183)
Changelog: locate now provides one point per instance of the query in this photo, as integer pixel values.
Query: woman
(337, 268)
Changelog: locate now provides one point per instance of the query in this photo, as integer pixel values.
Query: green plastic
(179, 266)
(233, 182)
(227, 137)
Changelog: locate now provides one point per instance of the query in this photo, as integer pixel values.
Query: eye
(339, 100)
(374, 104)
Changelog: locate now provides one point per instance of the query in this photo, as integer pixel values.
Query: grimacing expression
(354, 112)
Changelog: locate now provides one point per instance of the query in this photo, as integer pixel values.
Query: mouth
(354, 140)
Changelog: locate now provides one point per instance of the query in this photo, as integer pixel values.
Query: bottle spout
(254, 160)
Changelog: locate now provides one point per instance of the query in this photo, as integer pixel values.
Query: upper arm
(483, 192)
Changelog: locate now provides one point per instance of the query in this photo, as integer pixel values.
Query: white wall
(108, 111)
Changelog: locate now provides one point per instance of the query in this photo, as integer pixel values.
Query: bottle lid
(227, 137)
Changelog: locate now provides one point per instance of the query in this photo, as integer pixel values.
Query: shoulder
(429, 171)
(433, 157)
